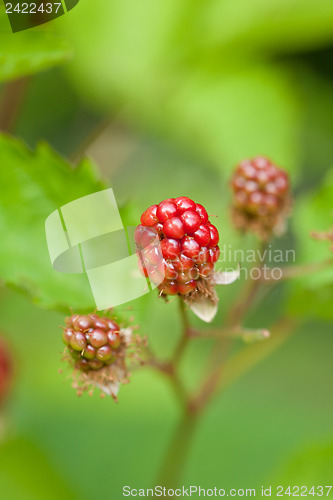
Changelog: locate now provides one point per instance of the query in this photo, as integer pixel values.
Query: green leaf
(33, 185)
(28, 52)
(25, 472)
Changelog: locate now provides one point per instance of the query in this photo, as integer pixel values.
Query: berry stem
(173, 464)
(182, 344)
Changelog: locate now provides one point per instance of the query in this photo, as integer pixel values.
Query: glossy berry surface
(93, 341)
(187, 242)
(261, 194)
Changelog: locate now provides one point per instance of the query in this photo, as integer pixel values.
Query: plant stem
(185, 336)
(174, 461)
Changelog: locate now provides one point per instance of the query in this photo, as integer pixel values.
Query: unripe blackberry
(261, 197)
(97, 349)
(92, 338)
(187, 243)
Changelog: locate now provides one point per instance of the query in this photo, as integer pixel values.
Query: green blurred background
(164, 98)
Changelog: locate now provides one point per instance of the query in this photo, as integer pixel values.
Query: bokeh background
(164, 98)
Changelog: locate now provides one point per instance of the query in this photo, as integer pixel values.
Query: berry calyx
(261, 198)
(188, 244)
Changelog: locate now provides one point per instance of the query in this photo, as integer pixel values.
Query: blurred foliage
(28, 197)
(188, 89)
(312, 294)
(28, 52)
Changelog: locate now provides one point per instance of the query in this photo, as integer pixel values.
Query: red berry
(185, 288)
(183, 263)
(202, 235)
(214, 236)
(166, 210)
(183, 203)
(202, 212)
(186, 237)
(144, 236)
(170, 288)
(214, 254)
(173, 228)
(190, 247)
(158, 227)
(149, 217)
(203, 256)
(170, 271)
(206, 269)
(170, 248)
(152, 255)
(191, 221)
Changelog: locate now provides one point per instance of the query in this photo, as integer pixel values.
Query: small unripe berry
(98, 338)
(89, 352)
(113, 339)
(78, 341)
(261, 196)
(99, 346)
(104, 353)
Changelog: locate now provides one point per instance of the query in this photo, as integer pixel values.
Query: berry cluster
(187, 245)
(261, 195)
(93, 342)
